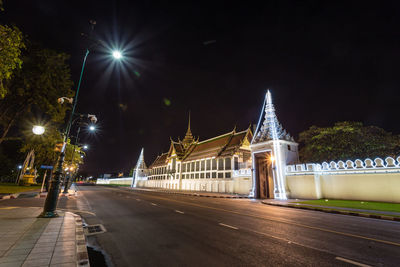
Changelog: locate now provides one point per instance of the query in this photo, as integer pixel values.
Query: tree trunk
(10, 123)
(4, 112)
(3, 136)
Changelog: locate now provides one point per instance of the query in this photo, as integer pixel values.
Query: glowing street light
(38, 130)
(85, 147)
(117, 54)
(49, 210)
(92, 128)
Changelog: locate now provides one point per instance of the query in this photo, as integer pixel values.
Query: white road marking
(229, 226)
(352, 262)
(154, 204)
(178, 211)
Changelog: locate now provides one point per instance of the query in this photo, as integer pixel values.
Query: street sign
(46, 167)
(58, 147)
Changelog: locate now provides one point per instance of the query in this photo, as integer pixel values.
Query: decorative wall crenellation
(367, 165)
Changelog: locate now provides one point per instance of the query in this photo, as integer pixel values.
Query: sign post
(45, 173)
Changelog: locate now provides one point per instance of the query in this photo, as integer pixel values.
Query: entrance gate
(264, 177)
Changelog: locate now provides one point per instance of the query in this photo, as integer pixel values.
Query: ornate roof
(141, 164)
(271, 129)
(223, 145)
(189, 139)
(161, 160)
(190, 148)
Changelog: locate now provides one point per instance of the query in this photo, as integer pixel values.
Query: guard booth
(272, 148)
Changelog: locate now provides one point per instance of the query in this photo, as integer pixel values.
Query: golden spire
(188, 137)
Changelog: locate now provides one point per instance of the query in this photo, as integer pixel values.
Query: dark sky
(323, 62)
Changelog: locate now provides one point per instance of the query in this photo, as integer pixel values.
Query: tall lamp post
(50, 205)
(93, 120)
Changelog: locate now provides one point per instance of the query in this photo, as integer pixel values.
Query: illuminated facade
(220, 164)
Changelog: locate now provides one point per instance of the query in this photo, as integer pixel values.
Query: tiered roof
(271, 129)
(141, 164)
(223, 145)
(191, 149)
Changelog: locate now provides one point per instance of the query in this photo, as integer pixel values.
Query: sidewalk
(26, 240)
(190, 193)
(376, 214)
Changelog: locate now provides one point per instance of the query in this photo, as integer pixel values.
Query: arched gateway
(272, 148)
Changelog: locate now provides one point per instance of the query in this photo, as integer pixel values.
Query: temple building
(219, 164)
(235, 162)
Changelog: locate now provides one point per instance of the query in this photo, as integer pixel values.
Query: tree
(44, 147)
(35, 87)
(347, 140)
(11, 46)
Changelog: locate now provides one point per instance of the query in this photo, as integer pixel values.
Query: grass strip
(8, 188)
(353, 204)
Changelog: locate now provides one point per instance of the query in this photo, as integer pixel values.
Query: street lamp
(85, 147)
(117, 54)
(38, 130)
(50, 205)
(92, 128)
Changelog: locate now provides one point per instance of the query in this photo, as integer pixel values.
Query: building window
(208, 165)
(202, 175)
(174, 164)
(235, 163)
(288, 147)
(197, 176)
(214, 164)
(227, 175)
(227, 163)
(183, 176)
(179, 167)
(197, 166)
(192, 176)
(214, 175)
(192, 168)
(202, 165)
(207, 175)
(220, 175)
(220, 165)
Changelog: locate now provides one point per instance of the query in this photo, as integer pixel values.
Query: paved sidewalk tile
(26, 240)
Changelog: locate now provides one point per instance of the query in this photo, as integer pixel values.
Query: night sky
(323, 62)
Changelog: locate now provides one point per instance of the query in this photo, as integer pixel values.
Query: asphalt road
(158, 229)
(147, 228)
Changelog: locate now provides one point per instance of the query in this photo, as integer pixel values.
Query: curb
(342, 212)
(11, 196)
(82, 256)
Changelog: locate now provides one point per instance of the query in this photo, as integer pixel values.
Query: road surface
(147, 228)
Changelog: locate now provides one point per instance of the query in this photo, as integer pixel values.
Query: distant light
(38, 130)
(19, 166)
(117, 54)
(81, 156)
(92, 128)
(85, 147)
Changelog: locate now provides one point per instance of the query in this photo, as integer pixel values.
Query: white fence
(119, 181)
(371, 180)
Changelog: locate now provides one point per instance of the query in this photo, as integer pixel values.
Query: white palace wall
(367, 180)
(116, 181)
